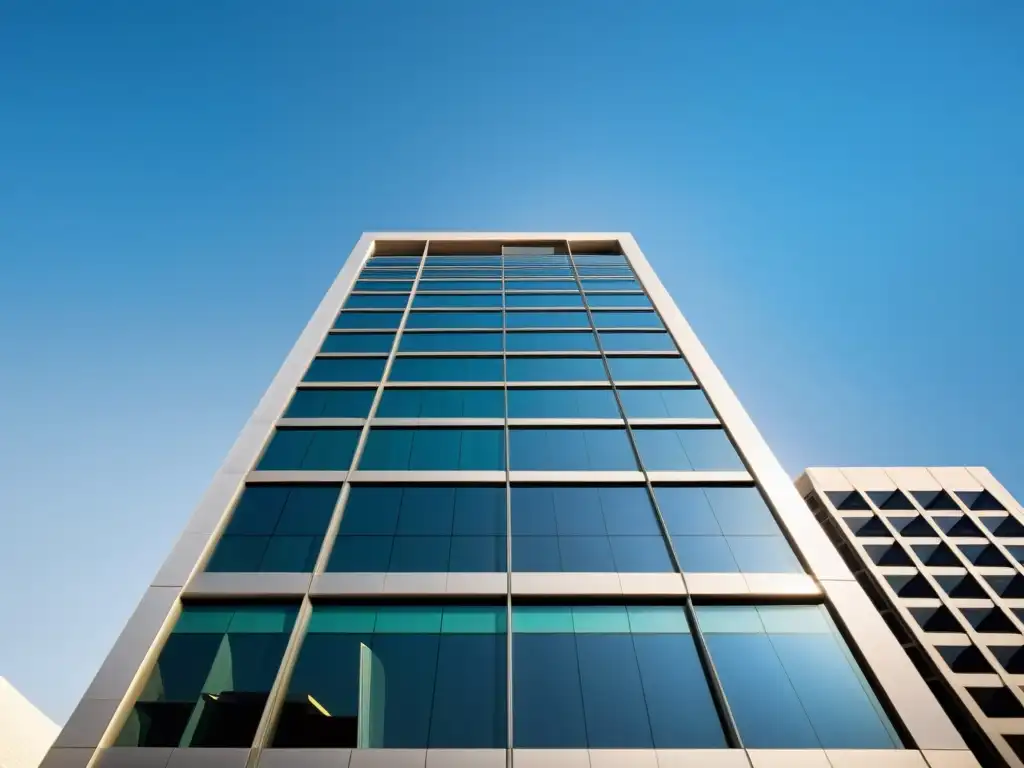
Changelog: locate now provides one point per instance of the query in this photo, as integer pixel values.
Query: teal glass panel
(473, 620)
(594, 284)
(358, 342)
(458, 285)
(729, 619)
(562, 404)
(368, 320)
(439, 449)
(541, 285)
(571, 449)
(649, 369)
(428, 300)
(532, 341)
(447, 369)
(600, 618)
(420, 320)
(310, 449)
(342, 620)
(383, 285)
(330, 404)
(685, 449)
(665, 403)
(635, 341)
(451, 342)
(376, 301)
(408, 620)
(657, 619)
(607, 319)
(442, 403)
(542, 619)
(520, 320)
(525, 300)
(346, 369)
(555, 369)
(607, 300)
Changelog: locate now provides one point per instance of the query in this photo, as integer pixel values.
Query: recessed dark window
(915, 526)
(1007, 586)
(965, 659)
(1003, 525)
(935, 500)
(985, 555)
(936, 619)
(847, 500)
(989, 620)
(890, 500)
(980, 501)
(888, 554)
(936, 555)
(867, 527)
(1010, 656)
(961, 585)
(997, 702)
(914, 585)
(957, 525)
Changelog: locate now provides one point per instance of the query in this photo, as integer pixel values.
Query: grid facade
(500, 508)
(940, 551)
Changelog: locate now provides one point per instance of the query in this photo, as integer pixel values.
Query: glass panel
(434, 449)
(555, 369)
(392, 261)
(613, 697)
(391, 273)
(587, 259)
(618, 300)
(451, 342)
(346, 369)
(310, 449)
(532, 341)
(359, 320)
(662, 403)
(210, 684)
(685, 449)
(442, 404)
(463, 261)
(447, 369)
(627, 320)
(649, 369)
(521, 300)
(516, 272)
(330, 404)
(541, 285)
(547, 320)
(604, 271)
(547, 692)
(611, 285)
(455, 272)
(562, 404)
(358, 342)
(459, 285)
(375, 301)
(571, 449)
(419, 320)
(424, 300)
(615, 341)
(383, 285)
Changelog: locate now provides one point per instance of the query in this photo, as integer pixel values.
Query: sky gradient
(832, 192)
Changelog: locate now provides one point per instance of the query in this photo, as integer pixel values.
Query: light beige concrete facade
(26, 734)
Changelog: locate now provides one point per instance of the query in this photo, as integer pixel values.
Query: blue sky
(833, 192)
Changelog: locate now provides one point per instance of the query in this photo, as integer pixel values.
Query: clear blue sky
(834, 193)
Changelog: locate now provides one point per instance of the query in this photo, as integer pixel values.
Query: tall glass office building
(498, 508)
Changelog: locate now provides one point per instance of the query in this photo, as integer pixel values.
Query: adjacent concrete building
(500, 508)
(939, 550)
(26, 734)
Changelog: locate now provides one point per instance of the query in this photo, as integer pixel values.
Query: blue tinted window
(571, 449)
(330, 404)
(430, 273)
(358, 320)
(556, 369)
(562, 404)
(358, 342)
(346, 369)
(627, 320)
(518, 272)
(389, 274)
(597, 259)
(610, 285)
(604, 271)
(310, 449)
(541, 285)
(520, 300)
(649, 369)
(392, 261)
(454, 320)
(533, 341)
(434, 449)
(376, 301)
(616, 341)
(383, 285)
(442, 404)
(424, 300)
(447, 369)
(464, 261)
(796, 685)
(618, 300)
(450, 342)
(459, 285)
(661, 403)
(685, 449)
(547, 320)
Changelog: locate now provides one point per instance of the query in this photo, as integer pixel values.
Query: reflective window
(434, 449)
(399, 677)
(570, 449)
(392, 261)
(453, 320)
(619, 341)
(665, 403)
(447, 369)
(450, 342)
(346, 369)
(464, 261)
(212, 678)
(685, 449)
(442, 404)
(611, 285)
(383, 285)
(586, 530)
(424, 300)
(358, 342)
(609, 677)
(376, 301)
(448, 273)
(532, 341)
(547, 320)
(541, 285)
(389, 274)
(415, 529)
(522, 300)
(330, 404)
(459, 285)
(627, 320)
(618, 300)
(791, 681)
(277, 528)
(518, 272)
(649, 369)
(555, 369)
(310, 449)
(603, 271)
(360, 320)
(593, 260)
(562, 404)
